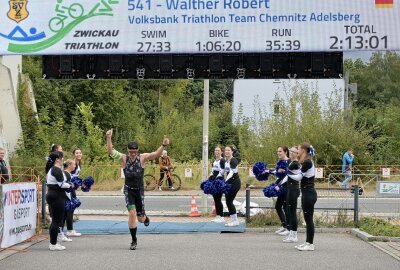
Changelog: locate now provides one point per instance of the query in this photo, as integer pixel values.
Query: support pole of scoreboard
(206, 99)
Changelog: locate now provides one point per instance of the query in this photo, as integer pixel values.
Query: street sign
(319, 172)
(385, 172)
(188, 172)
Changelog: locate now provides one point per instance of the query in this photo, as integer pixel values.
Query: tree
(302, 119)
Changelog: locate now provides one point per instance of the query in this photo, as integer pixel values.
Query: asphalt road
(182, 203)
(203, 251)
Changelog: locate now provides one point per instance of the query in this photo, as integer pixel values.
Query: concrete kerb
(371, 238)
(300, 230)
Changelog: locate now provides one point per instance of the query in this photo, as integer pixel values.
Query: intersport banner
(19, 202)
(197, 26)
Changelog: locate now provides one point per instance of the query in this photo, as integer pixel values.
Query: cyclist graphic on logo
(73, 11)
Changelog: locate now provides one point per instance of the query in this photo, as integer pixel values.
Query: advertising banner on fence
(197, 26)
(1, 215)
(19, 213)
(390, 189)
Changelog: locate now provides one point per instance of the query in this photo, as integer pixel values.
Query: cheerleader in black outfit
(218, 173)
(55, 197)
(293, 177)
(308, 194)
(231, 168)
(280, 205)
(69, 216)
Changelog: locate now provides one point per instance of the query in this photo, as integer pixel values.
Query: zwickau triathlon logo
(384, 3)
(18, 10)
(66, 15)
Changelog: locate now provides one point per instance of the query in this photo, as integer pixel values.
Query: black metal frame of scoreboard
(195, 66)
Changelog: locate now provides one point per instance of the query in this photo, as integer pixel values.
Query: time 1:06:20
(218, 46)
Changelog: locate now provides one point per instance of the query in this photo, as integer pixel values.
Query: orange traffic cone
(194, 212)
(213, 210)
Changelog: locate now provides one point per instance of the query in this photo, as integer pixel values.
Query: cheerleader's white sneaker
(301, 245)
(306, 247)
(232, 224)
(73, 233)
(56, 247)
(218, 219)
(281, 229)
(285, 232)
(62, 238)
(290, 239)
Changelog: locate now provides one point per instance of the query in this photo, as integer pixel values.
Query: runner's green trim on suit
(116, 155)
(131, 207)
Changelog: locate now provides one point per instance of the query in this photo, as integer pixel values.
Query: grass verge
(379, 227)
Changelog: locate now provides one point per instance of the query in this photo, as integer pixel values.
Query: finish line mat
(121, 227)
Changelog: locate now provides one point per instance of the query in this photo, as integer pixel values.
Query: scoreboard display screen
(50, 27)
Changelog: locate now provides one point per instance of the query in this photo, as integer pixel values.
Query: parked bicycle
(151, 181)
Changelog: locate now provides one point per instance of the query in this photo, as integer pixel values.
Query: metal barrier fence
(366, 174)
(355, 199)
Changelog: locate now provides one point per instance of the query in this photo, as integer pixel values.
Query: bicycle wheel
(149, 182)
(176, 182)
(56, 24)
(75, 10)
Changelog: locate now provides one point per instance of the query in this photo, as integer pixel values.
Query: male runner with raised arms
(133, 165)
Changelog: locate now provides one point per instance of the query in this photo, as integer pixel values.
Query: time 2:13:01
(359, 42)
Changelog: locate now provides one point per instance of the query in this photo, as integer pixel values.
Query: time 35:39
(282, 45)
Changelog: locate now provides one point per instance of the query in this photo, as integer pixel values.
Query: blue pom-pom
(259, 167)
(76, 181)
(270, 191)
(221, 186)
(68, 205)
(87, 184)
(71, 205)
(227, 187)
(75, 202)
(215, 186)
(206, 186)
(282, 164)
(262, 176)
(203, 184)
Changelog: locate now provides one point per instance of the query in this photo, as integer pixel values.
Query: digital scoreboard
(50, 27)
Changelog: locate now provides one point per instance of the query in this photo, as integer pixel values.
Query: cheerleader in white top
(308, 193)
(69, 215)
(217, 173)
(232, 178)
(55, 197)
(293, 177)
